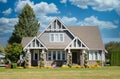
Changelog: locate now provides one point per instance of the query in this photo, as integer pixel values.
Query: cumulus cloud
(7, 12)
(45, 8)
(6, 24)
(21, 3)
(69, 20)
(99, 5)
(41, 8)
(4, 1)
(73, 21)
(94, 21)
(63, 1)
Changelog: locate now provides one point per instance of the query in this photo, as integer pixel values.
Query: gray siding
(56, 45)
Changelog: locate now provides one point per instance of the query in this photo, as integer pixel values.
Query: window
(56, 37)
(56, 55)
(49, 55)
(94, 55)
(63, 56)
(52, 37)
(61, 37)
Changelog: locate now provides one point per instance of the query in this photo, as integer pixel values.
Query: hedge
(115, 58)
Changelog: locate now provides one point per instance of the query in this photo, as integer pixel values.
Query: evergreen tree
(27, 25)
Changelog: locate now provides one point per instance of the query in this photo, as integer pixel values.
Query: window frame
(56, 55)
(56, 37)
(94, 55)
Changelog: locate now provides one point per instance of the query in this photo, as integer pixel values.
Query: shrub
(76, 66)
(48, 67)
(99, 62)
(65, 66)
(94, 66)
(14, 65)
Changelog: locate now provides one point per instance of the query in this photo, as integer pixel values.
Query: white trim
(56, 55)
(76, 47)
(26, 47)
(56, 18)
(55, 37)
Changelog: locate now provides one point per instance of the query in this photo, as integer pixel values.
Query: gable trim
(60, 22)
(34, 47)
(68, 46)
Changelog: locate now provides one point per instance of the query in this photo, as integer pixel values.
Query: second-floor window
(56, 37)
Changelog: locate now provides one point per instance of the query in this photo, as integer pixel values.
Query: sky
(102, 13)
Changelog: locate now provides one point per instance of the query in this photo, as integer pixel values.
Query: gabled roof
(26, 40)
(39, 46)
(89, 35)
(50, 27)
(76, 43)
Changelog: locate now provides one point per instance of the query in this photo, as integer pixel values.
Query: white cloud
(69, 20)
(99, 5)
(42, 8)
(45, 8)
(7, 12)
(93, 21)
(4, 1)
(6, 24)
(21, 3)
(73, 21)
(63, 1)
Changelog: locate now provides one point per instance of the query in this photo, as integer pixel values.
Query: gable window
(52, 37)
(56, 37)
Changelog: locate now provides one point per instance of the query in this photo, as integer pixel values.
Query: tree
(111, 47)
(27, 25)
(13, 51)
(1, 49)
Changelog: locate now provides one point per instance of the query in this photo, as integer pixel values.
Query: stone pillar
(69, 58)
(103, 57)
(83, 57)
(42, 59)
(29, 57)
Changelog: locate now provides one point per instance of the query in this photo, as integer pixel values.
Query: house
(2, 57)
(58, 42)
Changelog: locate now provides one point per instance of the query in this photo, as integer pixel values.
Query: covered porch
(76, 51)
(35, 51)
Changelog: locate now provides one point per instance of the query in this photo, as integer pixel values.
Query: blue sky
(102, 13)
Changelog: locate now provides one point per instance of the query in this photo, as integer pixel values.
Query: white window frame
(94, 55)
(56, 39)
(56, 54)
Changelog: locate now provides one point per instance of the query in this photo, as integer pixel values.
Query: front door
(74, 57)
(35, 57)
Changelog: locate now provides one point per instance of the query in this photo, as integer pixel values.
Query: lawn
(89, 73)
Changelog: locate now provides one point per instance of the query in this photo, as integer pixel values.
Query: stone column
(42, 59)
(83, 57)
(29, 57)
(69, 58)
(103, 57)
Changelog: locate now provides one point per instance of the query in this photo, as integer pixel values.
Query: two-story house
(57, 41)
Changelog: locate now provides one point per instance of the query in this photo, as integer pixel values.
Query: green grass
(89, 73)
